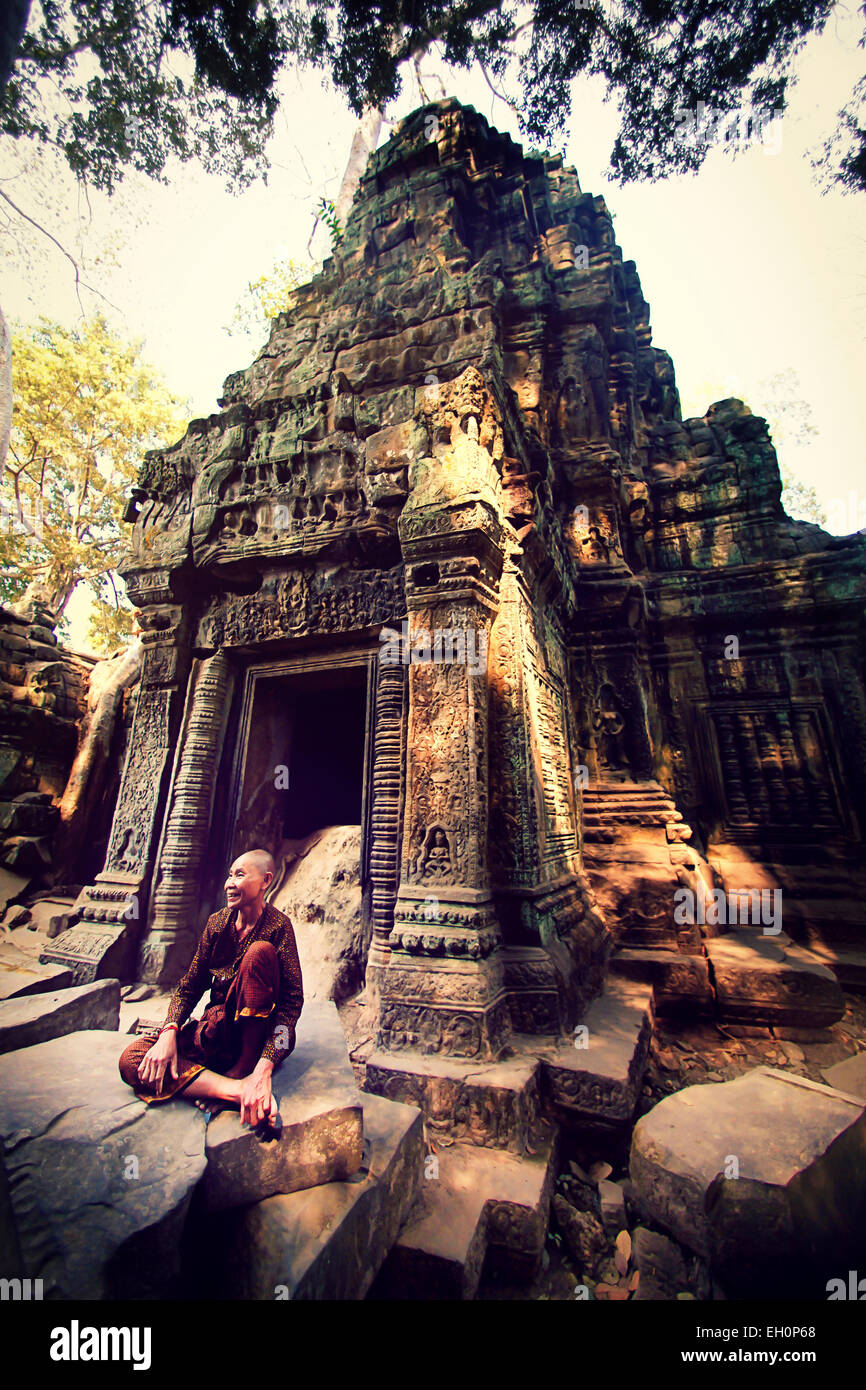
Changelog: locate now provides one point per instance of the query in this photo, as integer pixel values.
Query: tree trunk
(363, 144)
(13, 23)
(42, 594)
(5, 390)
(86, 781)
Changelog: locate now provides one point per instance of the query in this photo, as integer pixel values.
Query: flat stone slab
(471, 1200)
(758, 980)
(320, 1105)
(493, 1104)
(598, 1076)
(681, 984)
(849, 1076)
(34, 1018)
(777, 1127)
(329, 1241)
(21, 979)
(98, 1183)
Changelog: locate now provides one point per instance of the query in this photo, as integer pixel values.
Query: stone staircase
(475, 1205)
(494, 1133)
(637, 857)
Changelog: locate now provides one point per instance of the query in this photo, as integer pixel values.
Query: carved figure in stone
(434, 863)
(130, 852)
(593, 547)
(248, 958)
(608, 721)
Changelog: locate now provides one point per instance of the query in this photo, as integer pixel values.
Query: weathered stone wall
(462, 423)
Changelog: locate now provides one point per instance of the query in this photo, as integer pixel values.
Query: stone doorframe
(339, 658)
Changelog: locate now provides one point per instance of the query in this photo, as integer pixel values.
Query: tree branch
(72, 261)
(500, 95)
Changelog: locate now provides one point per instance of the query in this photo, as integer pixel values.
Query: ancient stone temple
(448, 565)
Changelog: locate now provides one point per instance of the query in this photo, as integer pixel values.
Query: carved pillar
(814, 767)
(730, 758)
(169, 943)
(790, 763)
(771, 762)
(111, 910)
(442, 989)
(388, 757)
(759, 801)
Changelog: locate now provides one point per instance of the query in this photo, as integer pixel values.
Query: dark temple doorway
(326, 761)
(302, 755)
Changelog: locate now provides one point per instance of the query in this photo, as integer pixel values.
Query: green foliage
(95, 77)
(121, 101)
(658, 58)
(268, 296)
(86, 409)
(112, 619)
(800, 501)
(326, 212)
(789, 418)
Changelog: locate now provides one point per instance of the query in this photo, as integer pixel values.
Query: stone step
(99, 1184)
(760, 981)
(680, 983)
(473, 1202)
(848, 965)
(320, 1107)
(328, 1242)
(593, 1082)
(19, 978)
(34, 1018)
(490, 1104)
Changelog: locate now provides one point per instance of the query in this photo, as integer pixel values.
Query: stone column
(388, 758)
(111, 910)
(442, 990)
(170, 941)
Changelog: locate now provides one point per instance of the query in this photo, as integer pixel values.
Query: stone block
(34, 1018)
(493, 1104)
(599, 1083)
(681, 984)
(769, 1127)
(473, 1202)
(22, 978)
(612, 1200)
(322, 1136)
(98, 1183)
(663, 1272)
(25, 817)
(329, 1241)
(26, 854)
(758, 981)
(849, 1076)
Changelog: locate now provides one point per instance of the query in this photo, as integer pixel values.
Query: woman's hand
(162, 1056)
(256, 1094)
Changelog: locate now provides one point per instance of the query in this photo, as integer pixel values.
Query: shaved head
(259, 860)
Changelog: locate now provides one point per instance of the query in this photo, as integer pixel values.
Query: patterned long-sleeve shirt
(216, 962)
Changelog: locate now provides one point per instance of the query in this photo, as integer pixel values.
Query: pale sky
(748, 269)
